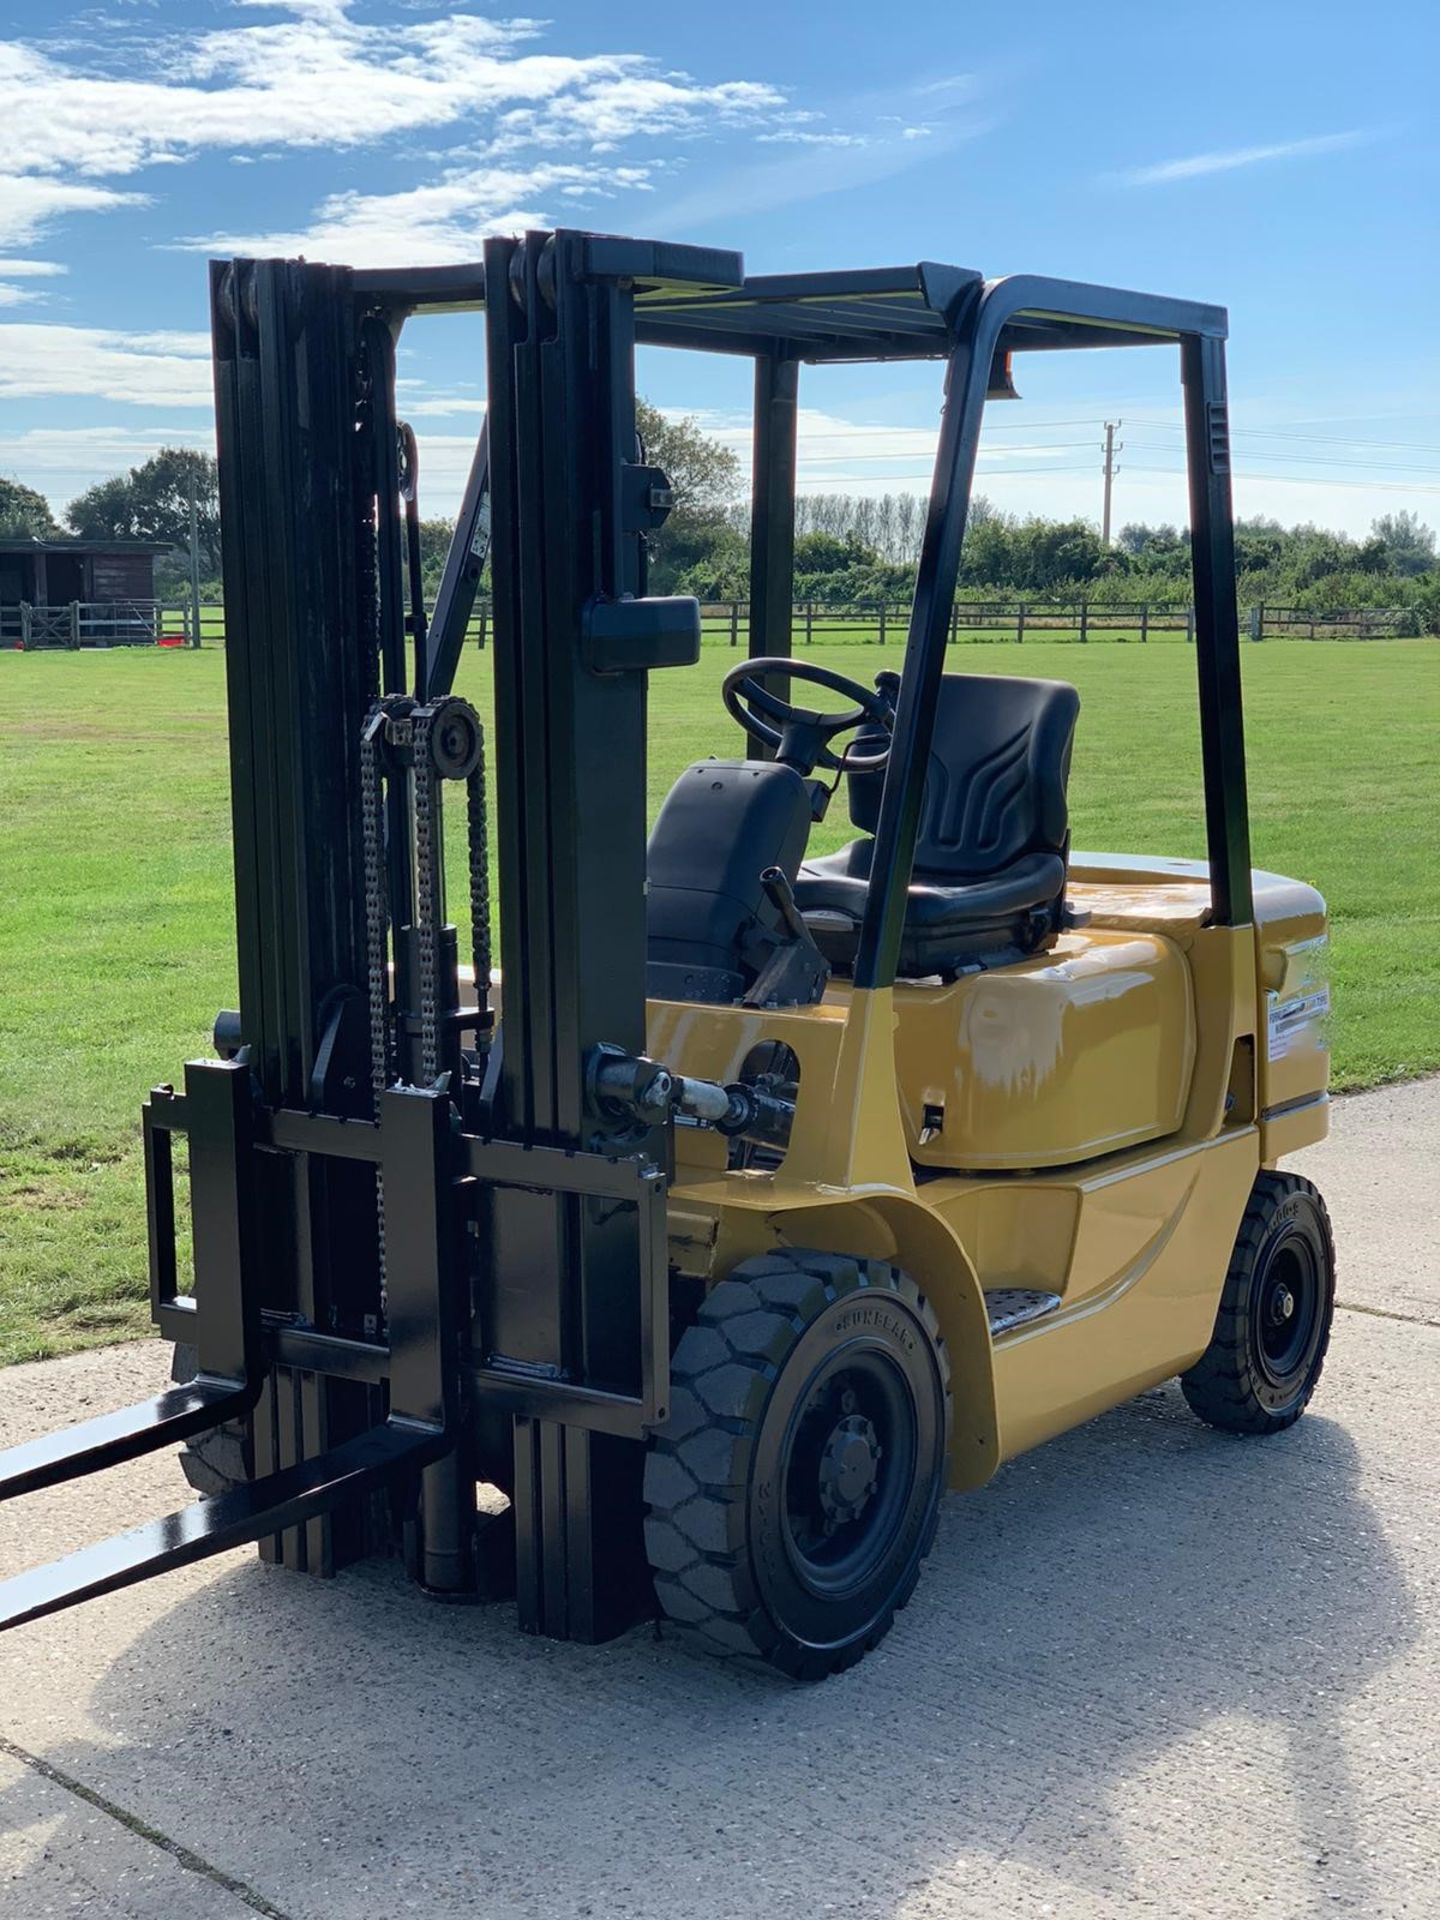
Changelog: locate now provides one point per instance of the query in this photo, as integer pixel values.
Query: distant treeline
(853, 548)
(850, 549)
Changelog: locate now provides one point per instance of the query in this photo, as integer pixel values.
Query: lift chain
(428, 888)
(478, 826)
(377, 959)
(372, 805)
(426, 744)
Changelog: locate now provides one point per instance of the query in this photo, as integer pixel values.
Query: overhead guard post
(1217, 629)
(772, 514)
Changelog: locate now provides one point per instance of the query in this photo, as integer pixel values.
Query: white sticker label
(1297, 1021)
(1298, 1011)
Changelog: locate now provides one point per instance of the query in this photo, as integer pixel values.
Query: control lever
(790, 970)
(781, 896)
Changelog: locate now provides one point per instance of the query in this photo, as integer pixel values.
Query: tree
(1161, 543)
(24, 513)
(1056, 553)
(435, 538)
(828, 553)
(1409, 544)
(705, 479)
(704, 475)
(152, 502)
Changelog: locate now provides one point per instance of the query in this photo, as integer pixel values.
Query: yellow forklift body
(1086, 1124)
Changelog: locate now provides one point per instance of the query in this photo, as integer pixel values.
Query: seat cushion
(949, 923)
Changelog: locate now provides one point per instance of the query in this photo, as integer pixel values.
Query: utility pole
(1112, 447)
(194, 566)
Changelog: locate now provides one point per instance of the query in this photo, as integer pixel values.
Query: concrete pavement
(1149, 1671)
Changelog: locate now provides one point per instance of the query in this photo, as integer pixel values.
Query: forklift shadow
(1137, 1646)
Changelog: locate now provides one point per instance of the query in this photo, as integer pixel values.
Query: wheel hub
(849, 1468)
(1282, 1305)
(1287, 1312)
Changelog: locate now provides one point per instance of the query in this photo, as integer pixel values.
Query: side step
(1011, 1307)
(113, 1437)
(234, 1519)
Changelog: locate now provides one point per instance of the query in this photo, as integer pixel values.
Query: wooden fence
(101, 623)
(727, 623)
(1354, 623)
(972, 621)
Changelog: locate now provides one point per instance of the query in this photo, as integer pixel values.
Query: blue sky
(1278, 157)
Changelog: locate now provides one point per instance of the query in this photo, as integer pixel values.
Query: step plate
(1011, 1307)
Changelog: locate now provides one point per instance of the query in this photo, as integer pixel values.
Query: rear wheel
(795, 1489)
(1273, 1326)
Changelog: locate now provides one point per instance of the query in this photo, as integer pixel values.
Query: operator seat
(720, 866)
(988, 884)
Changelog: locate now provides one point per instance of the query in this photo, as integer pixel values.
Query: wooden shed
(52, 573)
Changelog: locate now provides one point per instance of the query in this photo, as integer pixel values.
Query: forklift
(680, 1266)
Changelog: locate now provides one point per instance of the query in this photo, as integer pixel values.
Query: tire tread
(1222, 1386)
(695, 1477)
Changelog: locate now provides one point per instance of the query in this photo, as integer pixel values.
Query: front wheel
(217, 1459)
(1273, 1327)
(795, 1488)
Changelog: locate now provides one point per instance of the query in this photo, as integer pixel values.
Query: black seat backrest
(710, 920)
(995, 788)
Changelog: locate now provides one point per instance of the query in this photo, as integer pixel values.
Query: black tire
(215, 1461)
(1273, 1327)
(795, 1489)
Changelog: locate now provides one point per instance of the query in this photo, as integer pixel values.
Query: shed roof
(74, 543)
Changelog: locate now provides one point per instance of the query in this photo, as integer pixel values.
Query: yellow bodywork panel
(1081, 1051)
(1085, 1124)
(1137, 1250)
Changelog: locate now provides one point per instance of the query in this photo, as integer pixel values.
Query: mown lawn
(115, 910)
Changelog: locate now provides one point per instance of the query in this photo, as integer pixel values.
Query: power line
(1306, 480)
(870, 430)
(1041, 446)
(889, 427)
(1290, 433)
(924, 473)
(987, 475)
(1312, 460)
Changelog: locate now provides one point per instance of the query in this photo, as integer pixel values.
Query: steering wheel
(799, 736)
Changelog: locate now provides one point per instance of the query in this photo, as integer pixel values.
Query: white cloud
(429, 225)
(146, 369)
(1197, 164)
(831, 159)
(801, 137)
(62, 462)
(833, 452)
(807, 175)
(951, 86)
(15, 269)
(323, 78)
(29, 203)
(629, 103)
(417, 400)
(299, 74)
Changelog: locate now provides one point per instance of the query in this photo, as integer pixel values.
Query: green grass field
(115, 908)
